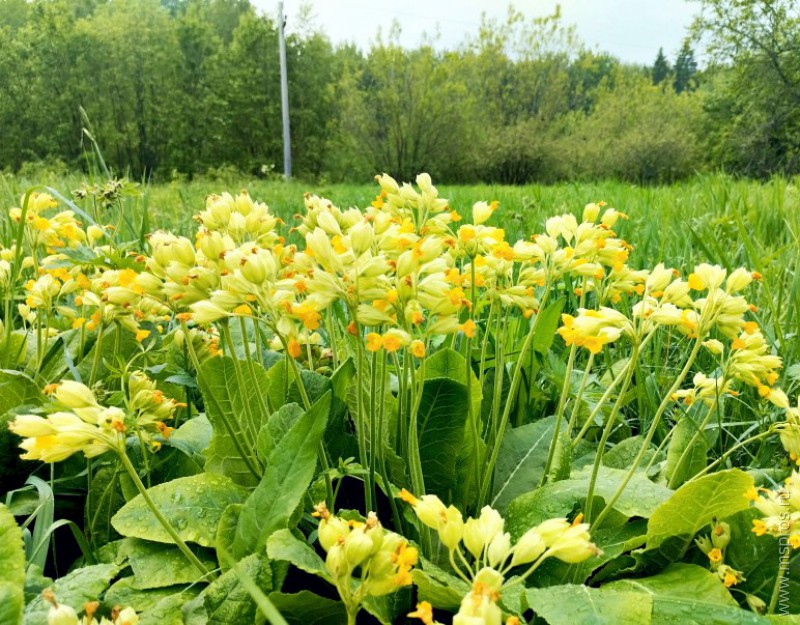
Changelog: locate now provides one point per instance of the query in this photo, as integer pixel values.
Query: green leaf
(441, 420)
(74, 589)
(548, 322)
(674, 524)
(286, 478)
(226, 533)
(283, 545)
(448, 363)
(193, 505)
(226, 403)
(694, 456)
(521, 460)
(681, 580)
(306, 608)
(227, 601)
(640, 498)
(621, 455)
(12, 569)
(156, 565)
(125, 593)
(580, 605)
(192, 437)
(167, 611)
(275, 428)
(438, 587)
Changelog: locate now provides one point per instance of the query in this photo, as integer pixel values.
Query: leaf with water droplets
(193, 505)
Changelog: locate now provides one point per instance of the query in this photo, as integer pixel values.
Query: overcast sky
(632, 30)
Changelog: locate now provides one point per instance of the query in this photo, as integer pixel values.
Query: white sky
(632, 30)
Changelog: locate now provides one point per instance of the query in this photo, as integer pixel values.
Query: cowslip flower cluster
(714, 545)
(62, 614)
(780, 509)
(485, 541)
(789, 432)
(79, 423)
(384, 559)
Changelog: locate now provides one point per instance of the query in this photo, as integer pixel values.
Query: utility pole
(287, 146)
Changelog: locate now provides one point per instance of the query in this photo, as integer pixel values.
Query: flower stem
(134, 475)
(651, 432)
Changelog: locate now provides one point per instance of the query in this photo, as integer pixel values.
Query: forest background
(183, 88)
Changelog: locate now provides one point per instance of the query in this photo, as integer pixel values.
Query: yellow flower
(418, 349)
(715, 556)
(374, 341)
(294, 348)
(468, 328)
(141, 335)
(424, 613)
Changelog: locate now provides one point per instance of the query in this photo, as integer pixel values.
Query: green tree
(661, 69)
(754, 106)
(685, 69)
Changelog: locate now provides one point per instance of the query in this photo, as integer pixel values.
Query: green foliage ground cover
(212, 523)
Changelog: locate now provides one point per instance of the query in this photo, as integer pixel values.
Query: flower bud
(75, 395)
(451, 528)
(528, 548)
(361, 237)
(62, 615)
(590, 212)
(336, 562)
(357, 547)
(721, 535)
(499, 549)
(331, 530)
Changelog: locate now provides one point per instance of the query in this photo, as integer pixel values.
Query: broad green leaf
(228, 406)
(316, 386)
(684, 457)
(306, 608)
(125, 593)
(448, 363)
(277, 384)
(275, 428)
(673, 525)
(283, 545)
(548, 320)
(521, 460)
(438, 587)
(193, 505)
(156, 565)
(74, 589)
(441, 418)
(12, 569)
(286, 478)
(669, 610)
(580, 605)
(227, 601)
(226, 533)
(167, 611)
(192, 437)
(104, 500)
(621, 455)
(680, 580)
(640, 498)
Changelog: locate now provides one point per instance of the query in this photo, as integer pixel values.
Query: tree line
(191, 87)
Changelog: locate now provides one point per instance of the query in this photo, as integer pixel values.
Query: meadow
(485, 405)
